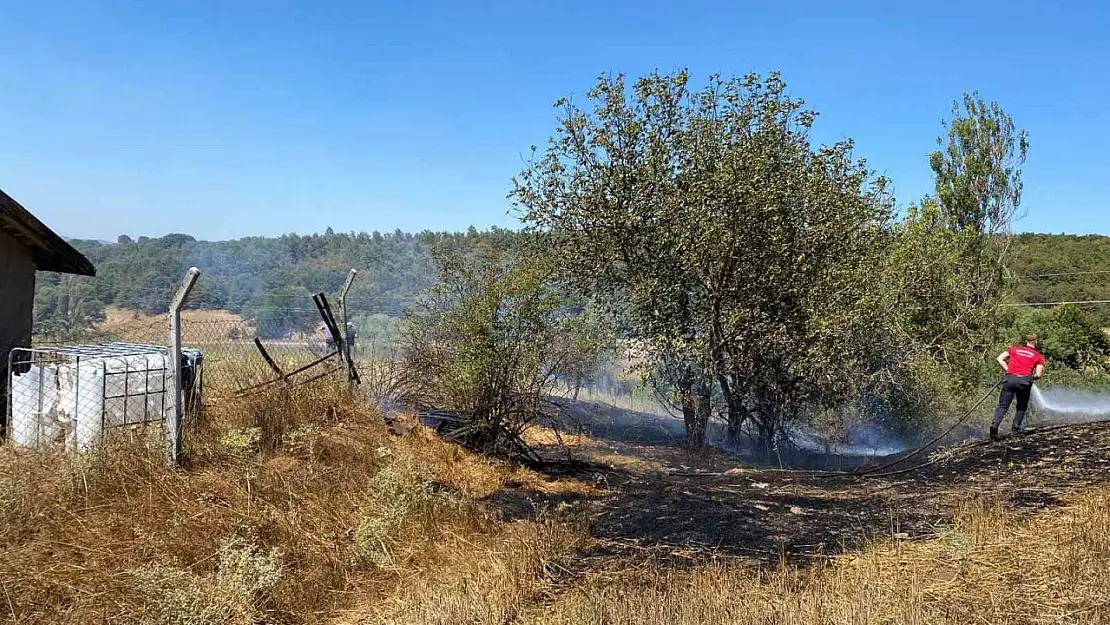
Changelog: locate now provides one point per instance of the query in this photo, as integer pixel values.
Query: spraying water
(1078, 405)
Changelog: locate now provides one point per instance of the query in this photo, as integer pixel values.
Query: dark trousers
(1013, 387)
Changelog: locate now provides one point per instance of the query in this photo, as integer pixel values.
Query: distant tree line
(1062, 268)
(396, 267)
(258, 277)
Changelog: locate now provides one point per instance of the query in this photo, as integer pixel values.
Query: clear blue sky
(229, 118)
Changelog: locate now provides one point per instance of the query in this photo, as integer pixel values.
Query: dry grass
(262, 525)
(300, 507)
(198, 326)
(492, 578)
(983, 569)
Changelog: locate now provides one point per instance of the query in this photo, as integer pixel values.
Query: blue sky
(232, 118)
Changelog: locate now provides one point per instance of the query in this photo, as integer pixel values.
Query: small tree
(977, 175)
(978, 168)
(946, 263)
(489, 343)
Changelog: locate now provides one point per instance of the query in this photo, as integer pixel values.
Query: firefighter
(1023, 365)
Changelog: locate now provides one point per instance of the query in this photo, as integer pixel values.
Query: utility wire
(1089, 301)
(1063, 273)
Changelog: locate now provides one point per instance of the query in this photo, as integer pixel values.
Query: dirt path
(657, 496)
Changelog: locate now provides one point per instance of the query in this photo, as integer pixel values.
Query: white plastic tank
(36, 420)
(69, 395)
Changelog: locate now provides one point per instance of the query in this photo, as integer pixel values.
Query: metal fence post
(347, 361)
(173, 422)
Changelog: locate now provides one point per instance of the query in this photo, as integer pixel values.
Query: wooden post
(173, 420)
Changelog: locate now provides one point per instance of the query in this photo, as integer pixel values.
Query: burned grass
(658, 495)
(982, 567)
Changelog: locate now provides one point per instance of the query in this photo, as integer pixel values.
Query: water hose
(880, 471)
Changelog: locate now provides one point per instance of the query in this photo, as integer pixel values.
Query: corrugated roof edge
(49, 251)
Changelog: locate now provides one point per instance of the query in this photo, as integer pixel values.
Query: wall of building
(17, 295)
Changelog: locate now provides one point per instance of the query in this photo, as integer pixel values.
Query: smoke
(861, 440)
(1073, 404)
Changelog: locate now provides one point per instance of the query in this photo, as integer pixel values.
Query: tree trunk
(737, 414)
(767, 427)
(702, 409)
(689, 413)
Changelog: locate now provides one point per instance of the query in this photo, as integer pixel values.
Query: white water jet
(1068, 401)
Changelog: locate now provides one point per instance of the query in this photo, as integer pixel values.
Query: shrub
(231, 594)
(397, 497)
(490, 343)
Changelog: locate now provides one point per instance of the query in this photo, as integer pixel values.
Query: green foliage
(1084, 260)
(978, 168)
(489, 342)
(731, 249)
(242, 440)
(948, 255)
(66, 305)
(257, 276)
(1076, 349)
(397, 497)
(949, 251)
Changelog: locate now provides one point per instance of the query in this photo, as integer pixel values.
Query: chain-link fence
(243, 353)
(79, 381)
(295, 339)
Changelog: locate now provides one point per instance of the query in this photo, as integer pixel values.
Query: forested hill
(247, 274)
(1062, 268)
(252, 273)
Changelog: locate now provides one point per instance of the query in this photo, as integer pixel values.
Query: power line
(1062, 273)
(1089, 301)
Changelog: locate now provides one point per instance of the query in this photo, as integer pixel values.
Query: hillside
(242, 273)
(249, 275)
(253, 276)
(1085, 258)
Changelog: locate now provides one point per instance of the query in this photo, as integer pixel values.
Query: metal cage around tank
(69, 397)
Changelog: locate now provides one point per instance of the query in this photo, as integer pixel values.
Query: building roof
(49, 251)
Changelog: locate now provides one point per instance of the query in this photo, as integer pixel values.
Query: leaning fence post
(173, 421)
(347, 362)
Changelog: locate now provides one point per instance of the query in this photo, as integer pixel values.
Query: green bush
(1076, 349)
(490, 343)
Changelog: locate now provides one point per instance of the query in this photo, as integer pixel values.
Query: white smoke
(862, 440)
(859, 441)
(1078, 405)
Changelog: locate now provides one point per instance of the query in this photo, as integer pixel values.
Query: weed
(397, 495)
(242, 440)
(231, 594)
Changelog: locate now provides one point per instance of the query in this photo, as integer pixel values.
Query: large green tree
(725, 241)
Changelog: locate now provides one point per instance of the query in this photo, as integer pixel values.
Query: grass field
(302, 507)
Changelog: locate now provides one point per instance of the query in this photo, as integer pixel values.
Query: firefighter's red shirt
(1022, 360)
